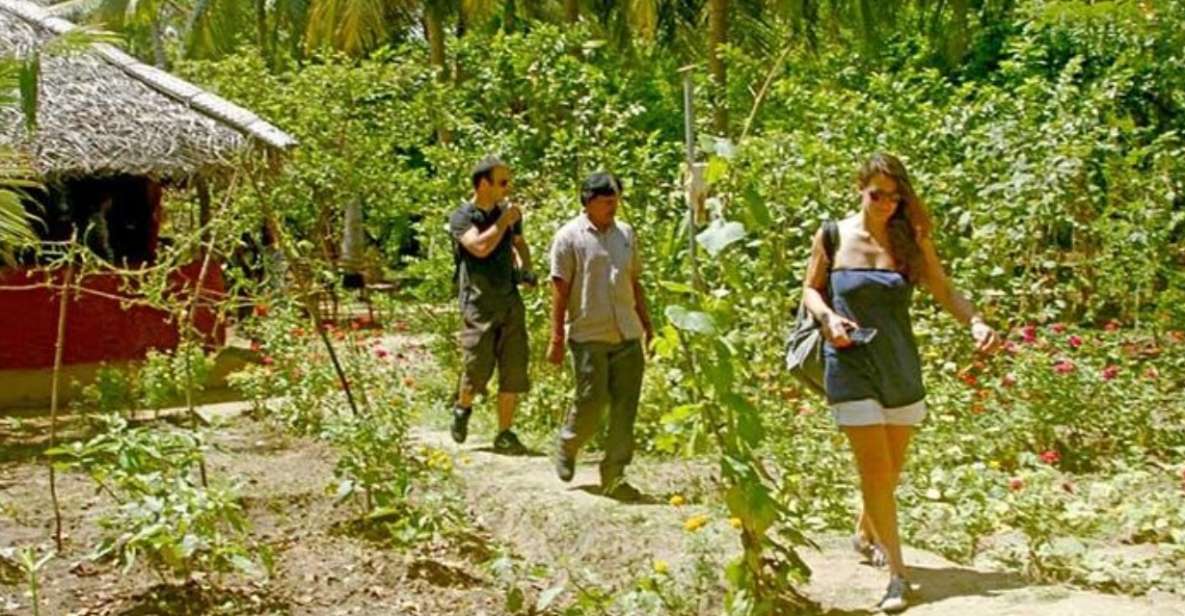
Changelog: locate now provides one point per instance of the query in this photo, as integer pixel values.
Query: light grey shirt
(600, 267)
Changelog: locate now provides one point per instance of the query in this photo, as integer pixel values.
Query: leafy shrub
(163, 516)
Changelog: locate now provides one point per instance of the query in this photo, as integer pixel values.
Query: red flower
(255, 346)
(1177, 335)
(1057, 328)
(380, 352)
(978, 409)
(1075, 341)
(1051, 457)
(297, 332)
(1063, 366)
(1111, 326)
(267, 360)
(1010, 347)
(1028, 333)
(355, 325)
(261, 310)
(969, 379)
(1009, 380)
(1015, 484)
(1110, 372)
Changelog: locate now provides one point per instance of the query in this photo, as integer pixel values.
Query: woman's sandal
(872, 553)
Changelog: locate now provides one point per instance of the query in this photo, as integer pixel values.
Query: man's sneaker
(894, 600)
(565, 465)
(460, 429)
(507, 442)
(624, 492)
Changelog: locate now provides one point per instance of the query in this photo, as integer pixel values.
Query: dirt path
(583, 539)
(573, 529)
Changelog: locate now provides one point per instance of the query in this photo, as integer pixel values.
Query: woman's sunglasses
(876, 195)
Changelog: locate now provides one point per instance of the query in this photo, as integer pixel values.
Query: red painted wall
(97, 328)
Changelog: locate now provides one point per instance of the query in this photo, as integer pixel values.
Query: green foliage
(163, 517)
(402, 490)
(113, 391)
(28, 561)
(1044, 137)
(164, 376)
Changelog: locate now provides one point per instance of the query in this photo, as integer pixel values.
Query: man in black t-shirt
(492, 257)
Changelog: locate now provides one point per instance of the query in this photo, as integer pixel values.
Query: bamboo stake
(63, 303)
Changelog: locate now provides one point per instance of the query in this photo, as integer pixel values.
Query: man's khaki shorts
(494, 338)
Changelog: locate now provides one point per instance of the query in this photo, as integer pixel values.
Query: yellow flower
(661, 567)
(678, 501)
(735, 522)
(695, 523)
(994, 465)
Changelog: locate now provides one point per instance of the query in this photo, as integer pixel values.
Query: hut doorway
(116, 217)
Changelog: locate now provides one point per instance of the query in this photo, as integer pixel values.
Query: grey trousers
(607, 375)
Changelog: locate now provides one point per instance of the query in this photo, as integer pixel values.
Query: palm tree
(717, 38)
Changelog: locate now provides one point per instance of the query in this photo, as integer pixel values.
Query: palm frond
(215, 27)
(80, 39)
(16, 224)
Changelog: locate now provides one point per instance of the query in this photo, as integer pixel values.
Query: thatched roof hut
(103, 113)
(111, 134)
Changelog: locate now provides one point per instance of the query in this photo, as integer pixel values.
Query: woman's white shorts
(869, 412)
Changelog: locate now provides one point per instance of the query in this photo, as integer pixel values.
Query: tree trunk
(263, 38)
(462, 28)
(718, 37)
(571, 11)
(158, 46)
(956, 45)
(434, 26)
(868, 24)
(509, 16)
(810, 20)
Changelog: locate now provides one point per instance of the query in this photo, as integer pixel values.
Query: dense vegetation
(1044, 137)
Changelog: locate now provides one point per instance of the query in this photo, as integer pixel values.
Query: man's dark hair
(599, 184)
(484, 169)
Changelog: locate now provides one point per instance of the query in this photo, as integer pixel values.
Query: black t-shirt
(485, 282)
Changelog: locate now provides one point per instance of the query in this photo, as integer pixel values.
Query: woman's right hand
(835, 329)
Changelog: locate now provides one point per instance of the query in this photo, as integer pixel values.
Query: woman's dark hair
(909, 223)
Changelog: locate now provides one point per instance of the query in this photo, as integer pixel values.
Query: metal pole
(689, 137)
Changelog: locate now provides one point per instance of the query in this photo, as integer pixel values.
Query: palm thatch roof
(103, 113)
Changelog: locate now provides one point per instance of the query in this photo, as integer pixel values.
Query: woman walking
(860, 295)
